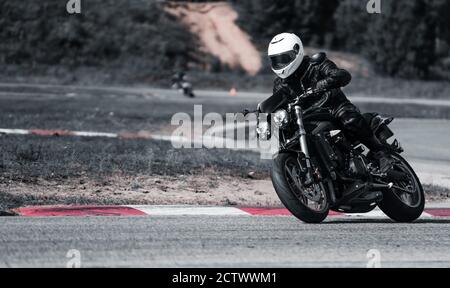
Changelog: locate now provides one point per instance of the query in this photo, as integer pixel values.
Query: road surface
(193, 241)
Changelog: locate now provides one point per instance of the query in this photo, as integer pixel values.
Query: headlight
(281, 118)
(263, 131)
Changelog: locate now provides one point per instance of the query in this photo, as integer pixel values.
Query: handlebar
(247, 111)
(298, 99)
(308, 93)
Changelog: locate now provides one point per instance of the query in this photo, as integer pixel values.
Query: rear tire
(289, 199)
(396, 208)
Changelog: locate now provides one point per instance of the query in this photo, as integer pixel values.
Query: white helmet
(286, 54)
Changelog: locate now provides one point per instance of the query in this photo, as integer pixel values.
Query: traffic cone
(233, 91)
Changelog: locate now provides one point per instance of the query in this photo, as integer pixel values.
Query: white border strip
(94, 134)
(179, 210)
(192, 210)
(15, 131)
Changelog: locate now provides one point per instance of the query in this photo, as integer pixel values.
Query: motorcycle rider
(178, 78)
(298, 73)
(180, 81)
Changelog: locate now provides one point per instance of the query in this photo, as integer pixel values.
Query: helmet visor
(281, 61)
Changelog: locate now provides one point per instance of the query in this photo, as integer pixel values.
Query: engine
(341, 155)
(356, 167)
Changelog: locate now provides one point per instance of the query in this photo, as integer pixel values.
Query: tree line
(107, 34)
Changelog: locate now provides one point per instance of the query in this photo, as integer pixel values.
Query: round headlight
(263, 131)
(281, 118)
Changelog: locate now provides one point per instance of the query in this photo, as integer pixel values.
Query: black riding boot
(379, 152)
(357, 126)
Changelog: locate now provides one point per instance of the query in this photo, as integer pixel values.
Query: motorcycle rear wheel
(401, 206)
(290, 194)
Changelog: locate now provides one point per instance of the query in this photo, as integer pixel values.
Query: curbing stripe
(39, 211)
(186, 210)
(122, 135)
(180, 210)
(438, 212)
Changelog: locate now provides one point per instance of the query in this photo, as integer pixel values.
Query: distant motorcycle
(179, 82)
(319, 169)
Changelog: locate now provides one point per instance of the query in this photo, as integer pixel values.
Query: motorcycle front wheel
(309, 204)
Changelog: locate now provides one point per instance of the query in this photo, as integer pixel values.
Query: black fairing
(319, 116)
(319, 121)
(315, 128)
(274, 102)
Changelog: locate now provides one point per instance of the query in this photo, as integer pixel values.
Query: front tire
(291, 197)
(398, 206)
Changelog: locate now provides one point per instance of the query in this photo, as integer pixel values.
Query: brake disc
(313, 192)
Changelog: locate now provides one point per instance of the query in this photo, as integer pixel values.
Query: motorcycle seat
(376, 121)
(320, 116)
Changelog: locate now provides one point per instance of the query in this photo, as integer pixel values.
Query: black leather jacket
(317, 72)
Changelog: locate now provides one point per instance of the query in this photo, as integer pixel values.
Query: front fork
(304, 145)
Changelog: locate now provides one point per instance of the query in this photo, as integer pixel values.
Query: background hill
(144, 41)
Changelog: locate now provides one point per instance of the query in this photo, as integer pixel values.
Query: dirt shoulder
(157, 190)
(160, 190)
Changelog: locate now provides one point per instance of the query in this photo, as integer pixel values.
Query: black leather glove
(310, 93)
(322, 84)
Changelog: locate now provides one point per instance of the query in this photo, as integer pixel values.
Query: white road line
(414, 101)
(377, 213)
(177, 210)
(94, 134)
(192, 210)
(14, 131)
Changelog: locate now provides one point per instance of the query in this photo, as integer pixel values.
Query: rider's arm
(280, 87)
(334, 77)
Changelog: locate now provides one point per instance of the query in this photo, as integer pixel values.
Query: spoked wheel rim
(411, 184)
(295, 178)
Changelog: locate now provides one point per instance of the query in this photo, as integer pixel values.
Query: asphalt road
(220, 242)
(426, 143)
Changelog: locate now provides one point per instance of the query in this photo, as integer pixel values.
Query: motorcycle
(183, 86)
(319, 169)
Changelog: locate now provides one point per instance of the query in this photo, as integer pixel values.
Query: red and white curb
(186, 210)
(44, 132)
(205, 140)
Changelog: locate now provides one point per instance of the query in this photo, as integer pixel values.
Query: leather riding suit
(318, 72)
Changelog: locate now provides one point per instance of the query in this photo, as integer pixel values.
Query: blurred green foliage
(405, 40)
(106, 33)
(312, 19)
